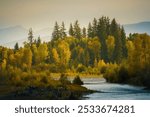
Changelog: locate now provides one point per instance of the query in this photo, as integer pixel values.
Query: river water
(110, 91)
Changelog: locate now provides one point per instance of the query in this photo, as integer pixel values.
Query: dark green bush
(77, 80)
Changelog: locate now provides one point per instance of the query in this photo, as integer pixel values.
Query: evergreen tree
(16, 47)
(30, 36)
(56, 32)
(62, 31)
(102, 34)
(114, 28)
(38, 41)
(71, 31)
(90, 31)
(94, 27)
(77, 30)
(123, 38)
(115, 31)
(107, 21)
(84, 32)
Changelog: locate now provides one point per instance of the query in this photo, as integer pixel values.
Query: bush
(77, 80)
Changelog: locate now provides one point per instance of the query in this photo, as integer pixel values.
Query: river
(111, 91)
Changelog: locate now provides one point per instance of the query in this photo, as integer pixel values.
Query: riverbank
(71, 92)
(60, 88)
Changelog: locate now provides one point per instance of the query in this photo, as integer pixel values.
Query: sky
(40, 14)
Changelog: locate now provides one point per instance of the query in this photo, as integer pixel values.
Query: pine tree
(38, 41)
(62, 31)
(77, 30)
(56, 32)
(71, 31)
(115, 31)
(114, 28)
(30, 36)
(102, 34)
(123, 39)
(84, 32)
(94, 28)
(16, 47)
(90, 31)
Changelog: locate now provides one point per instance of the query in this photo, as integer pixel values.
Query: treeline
(101, 48)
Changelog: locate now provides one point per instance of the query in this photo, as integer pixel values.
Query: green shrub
(77, 80)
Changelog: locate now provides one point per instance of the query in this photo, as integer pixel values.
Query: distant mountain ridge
(141, 27)
(11, 35)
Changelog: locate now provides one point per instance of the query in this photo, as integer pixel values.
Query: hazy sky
(39, 14)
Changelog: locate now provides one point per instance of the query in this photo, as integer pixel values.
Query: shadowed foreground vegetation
(42, 87)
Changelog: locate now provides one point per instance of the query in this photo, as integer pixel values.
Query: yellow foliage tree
(42, 53)
(64, 52)
(55, 55)
(27, 57)
(3, 65)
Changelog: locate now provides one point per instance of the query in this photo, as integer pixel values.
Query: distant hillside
(44, 33)
(9, 36)
(142, 27)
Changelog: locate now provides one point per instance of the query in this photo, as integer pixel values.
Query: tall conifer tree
(71, 31)
(56, 32)
(77, 30)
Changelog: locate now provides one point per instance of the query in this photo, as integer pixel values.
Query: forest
(101, 49)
